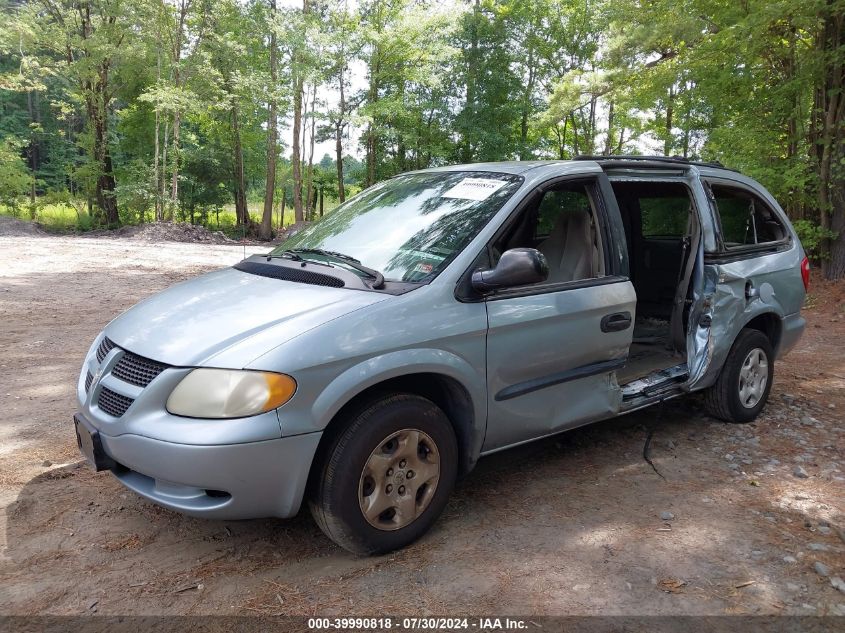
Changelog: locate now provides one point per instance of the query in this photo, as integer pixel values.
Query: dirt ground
(570, 525)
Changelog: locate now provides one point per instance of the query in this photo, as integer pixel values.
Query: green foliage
(160, 105)
(14, 179)
(665, 216)
(812, 235)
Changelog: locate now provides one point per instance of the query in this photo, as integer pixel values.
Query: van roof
(672, 160)
(521, 166)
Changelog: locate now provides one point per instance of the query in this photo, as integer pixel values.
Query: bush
(14, 177)
(811, 236)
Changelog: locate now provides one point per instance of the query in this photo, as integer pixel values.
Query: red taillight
(805, 273)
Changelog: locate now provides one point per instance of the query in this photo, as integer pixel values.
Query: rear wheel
(743, 385)
(386, 477)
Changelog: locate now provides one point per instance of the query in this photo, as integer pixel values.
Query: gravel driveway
(740, 519)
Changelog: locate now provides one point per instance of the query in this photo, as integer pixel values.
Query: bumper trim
(235, 481)
(175, 496)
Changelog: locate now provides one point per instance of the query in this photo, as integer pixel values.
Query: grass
(67, 218)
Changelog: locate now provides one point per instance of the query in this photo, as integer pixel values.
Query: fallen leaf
(672, 585)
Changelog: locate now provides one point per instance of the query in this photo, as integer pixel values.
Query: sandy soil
(570, 525)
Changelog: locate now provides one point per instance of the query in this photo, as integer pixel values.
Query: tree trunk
(338, 138)
(828, 138)
(311, 139)
(524, 153)
(282, 202)
(371, 156)
(472, 76)
(169, 215)
(266, 231)
(836, 264)
(97, 99)
(105, 184)
(241, 210)
(32, 150)
(296, 159)
(184, 7)
(159, 212)
(608, 145)
(372, 141)
(670, 106)
(159, 216)
(338, 152)
(174, 182)
(562, 138)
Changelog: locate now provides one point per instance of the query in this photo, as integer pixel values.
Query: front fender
(378, 369)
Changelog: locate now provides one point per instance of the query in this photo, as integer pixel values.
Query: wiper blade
(348, 260)
(320, 251)
(284, 255)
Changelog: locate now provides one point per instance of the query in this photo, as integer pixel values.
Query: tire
(734, 398)
(371, 460)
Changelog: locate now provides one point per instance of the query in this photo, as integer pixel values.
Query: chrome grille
(88, 380)
(112, 402)
(105, 347)
(137, 370)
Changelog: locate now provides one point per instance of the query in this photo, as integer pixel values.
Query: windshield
(408, 227)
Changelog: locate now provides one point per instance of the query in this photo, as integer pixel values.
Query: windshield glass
(408, 227)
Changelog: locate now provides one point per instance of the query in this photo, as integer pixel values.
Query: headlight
(227, 393)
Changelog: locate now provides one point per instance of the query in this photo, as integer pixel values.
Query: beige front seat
(570, 248)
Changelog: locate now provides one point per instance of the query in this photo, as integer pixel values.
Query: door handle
(616, 322)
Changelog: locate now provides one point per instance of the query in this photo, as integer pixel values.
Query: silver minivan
(446, 314)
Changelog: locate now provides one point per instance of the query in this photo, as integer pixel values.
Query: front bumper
(232, 481)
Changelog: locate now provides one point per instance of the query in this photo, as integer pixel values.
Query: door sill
(654, 387)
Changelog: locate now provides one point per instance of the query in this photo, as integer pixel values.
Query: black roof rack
(680, 160)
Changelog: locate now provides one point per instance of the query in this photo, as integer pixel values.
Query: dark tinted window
(745, 218)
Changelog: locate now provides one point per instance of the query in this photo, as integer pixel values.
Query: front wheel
(386, 477)
(746, 378)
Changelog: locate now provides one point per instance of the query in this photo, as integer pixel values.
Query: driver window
(562, 225)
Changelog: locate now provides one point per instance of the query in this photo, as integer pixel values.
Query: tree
(827, 131)
(181, 101)
(343, 45)
(84, 41)
(298, 33)
(266, 231)
(232, 89)
(14, 178)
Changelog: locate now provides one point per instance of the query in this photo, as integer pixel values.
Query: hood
(211, 319)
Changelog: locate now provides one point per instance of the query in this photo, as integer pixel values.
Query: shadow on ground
(569, 524)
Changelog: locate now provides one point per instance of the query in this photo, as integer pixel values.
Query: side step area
(656, 386)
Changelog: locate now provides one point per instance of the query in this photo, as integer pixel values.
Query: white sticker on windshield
(475, 188)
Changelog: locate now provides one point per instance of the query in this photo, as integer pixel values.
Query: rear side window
(745, 218)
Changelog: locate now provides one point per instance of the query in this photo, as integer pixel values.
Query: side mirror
(516, 267)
